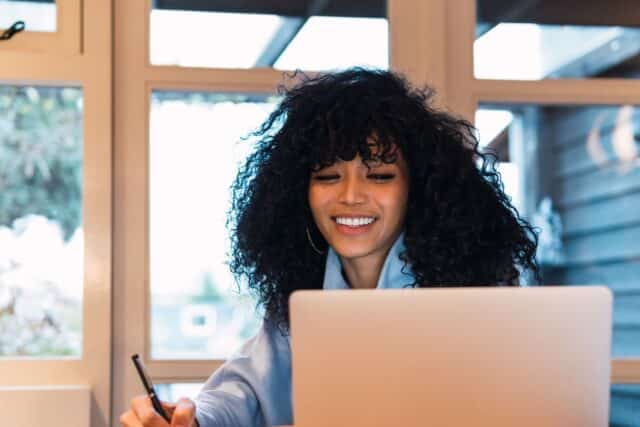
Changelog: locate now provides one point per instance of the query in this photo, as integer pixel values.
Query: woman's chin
(352, 250)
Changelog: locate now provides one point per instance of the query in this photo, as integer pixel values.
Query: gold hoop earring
(315, 248)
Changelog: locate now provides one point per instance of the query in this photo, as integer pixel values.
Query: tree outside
(41, 241)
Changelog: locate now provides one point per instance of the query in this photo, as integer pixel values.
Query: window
(49, 25)
(570, 164)
(552, 40)
(196, 143)
(56, 211)
(568, 145)
(41, 264)
(39, 16)
(290, 35)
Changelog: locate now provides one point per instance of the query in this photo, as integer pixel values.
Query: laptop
(526, 357)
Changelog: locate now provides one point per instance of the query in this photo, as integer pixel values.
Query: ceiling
(557, 12)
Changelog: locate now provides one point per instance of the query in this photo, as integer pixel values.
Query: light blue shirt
(253, 388)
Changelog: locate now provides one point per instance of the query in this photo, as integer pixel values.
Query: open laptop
(526, 357)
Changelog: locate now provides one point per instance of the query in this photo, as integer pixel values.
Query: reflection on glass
(37, 15)
(286, 35)
(41, 238)
(575, 174)
(196, 146)
(554, 40)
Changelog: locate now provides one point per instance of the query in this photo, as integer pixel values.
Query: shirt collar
(392, 275)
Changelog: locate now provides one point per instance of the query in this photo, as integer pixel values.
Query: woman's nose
(352, 191)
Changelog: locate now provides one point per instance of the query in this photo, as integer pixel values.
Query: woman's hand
(142, 414)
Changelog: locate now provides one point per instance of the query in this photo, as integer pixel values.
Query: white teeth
(355, 222)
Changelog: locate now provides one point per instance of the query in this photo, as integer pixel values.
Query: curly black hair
(460, 227)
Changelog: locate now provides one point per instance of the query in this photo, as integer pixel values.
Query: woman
(356, 182)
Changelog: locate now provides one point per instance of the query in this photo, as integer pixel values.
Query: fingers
(168, 408)
(129, 419)
(145, 413)
(142, 413)
(184, 413)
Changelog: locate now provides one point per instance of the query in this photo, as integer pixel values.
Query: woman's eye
(326, 177)
(381, 176)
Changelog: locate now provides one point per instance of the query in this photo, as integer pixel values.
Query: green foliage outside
(40, 176)
(41, 154)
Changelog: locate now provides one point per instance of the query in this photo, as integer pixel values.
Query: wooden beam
(351, 8)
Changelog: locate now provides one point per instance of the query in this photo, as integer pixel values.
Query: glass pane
(625, 405)
(38, 15)
(195, 148)
(41, 260)
(345, 41)
(285, 35)
(550, 39)
(174, 391)
(574, 172)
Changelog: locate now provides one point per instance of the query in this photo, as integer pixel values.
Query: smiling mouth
(354, 222)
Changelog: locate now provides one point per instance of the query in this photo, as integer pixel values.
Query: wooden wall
(598, 198)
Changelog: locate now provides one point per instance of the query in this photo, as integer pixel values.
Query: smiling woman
(359, 209)
(355, 181)
(364, 143)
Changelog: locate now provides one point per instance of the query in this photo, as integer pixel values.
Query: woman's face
(360, 210)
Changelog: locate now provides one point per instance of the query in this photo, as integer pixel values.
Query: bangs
(338, 117)
(373, 145)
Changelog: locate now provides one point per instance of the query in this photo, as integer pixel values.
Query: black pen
(148, 385)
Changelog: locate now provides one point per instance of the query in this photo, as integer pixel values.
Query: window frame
(90, 71)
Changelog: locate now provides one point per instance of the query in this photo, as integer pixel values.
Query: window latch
(12, 30)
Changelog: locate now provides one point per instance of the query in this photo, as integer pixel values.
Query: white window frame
(92, 71)
(430, 41)
(67, 39)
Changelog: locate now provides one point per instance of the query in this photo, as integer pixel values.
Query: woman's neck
(363, 273)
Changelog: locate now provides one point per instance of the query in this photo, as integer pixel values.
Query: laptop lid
(537, 356)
